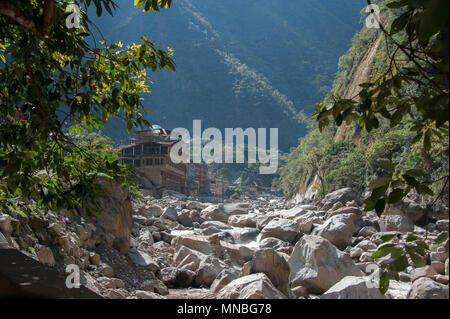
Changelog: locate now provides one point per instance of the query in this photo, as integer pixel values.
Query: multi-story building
(149, 154)
(199, 173)
(216, 185)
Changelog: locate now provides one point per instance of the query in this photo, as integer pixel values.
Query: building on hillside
(216, 185)
(198, 174)
(149, 154)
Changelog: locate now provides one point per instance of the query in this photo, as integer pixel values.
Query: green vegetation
(57, 82)
(392, 137)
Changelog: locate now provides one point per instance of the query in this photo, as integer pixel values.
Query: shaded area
(24, 277)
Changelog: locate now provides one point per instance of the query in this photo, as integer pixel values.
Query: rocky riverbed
(181, 248)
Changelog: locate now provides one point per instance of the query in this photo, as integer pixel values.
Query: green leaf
(379, 207)
(382, 181)
(396, 196)
(386, 164)
(384, 282)
(441, 238)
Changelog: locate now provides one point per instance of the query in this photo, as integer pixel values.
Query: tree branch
(40, 28)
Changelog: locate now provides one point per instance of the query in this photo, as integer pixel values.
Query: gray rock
(280, 228)
(3, 242)
(343, 196)
(170, 213)
(351, 287)
(140, 294)
(255, 286)
(175, 277)
(5, 224)
(45, 255)
(317, 265)
(142, 259)
(242, 221)
(271, 263)
(367, 231)
(339, 230)
(209, 268)
(442, 224)
(427, 288)
(223, 279)
(115, 215)
(395, 223)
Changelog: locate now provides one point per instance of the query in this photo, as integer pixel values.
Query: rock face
(175, 277)
(427, 288)
(208, 269)
(3, 242)
(343, 196)
(142, 259)
(351, 287)
(256, 286)
(115, 216)
(5, 224)
(280, 228)
(338, 229)
(407, 208)
(223, 279)
(271, 263)
(317, 265)
(45, 256)
(395, 223)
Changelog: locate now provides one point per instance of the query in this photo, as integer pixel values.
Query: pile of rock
(261, 248)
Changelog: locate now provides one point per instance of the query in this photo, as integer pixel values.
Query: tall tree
(60, 77)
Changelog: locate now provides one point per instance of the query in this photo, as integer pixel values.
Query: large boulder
(170, 213)
(317, 265)
(142, 259)
(176, 278)
(236, 208)
(242, 221)
(281, 228)
(5, 224)
(343, 196)
(408, 208)
(209, 268)
(339, 230)
(306, 221)
(255, 286)
(351, 287)
(221, 212)
(271, 263)
(395, 223)
(238, 254)
(45, 255)
(224, 278)
(115, 213)
(277, 244)
(187, 217)
(3, 242)
(245, 235)
(427, 288)
(214, 212)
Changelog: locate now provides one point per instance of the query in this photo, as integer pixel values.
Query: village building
(149, 154)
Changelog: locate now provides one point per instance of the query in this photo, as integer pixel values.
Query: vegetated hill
(348, 156)
(240, 63)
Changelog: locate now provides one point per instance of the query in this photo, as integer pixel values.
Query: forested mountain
(349, 155)
(240, 63)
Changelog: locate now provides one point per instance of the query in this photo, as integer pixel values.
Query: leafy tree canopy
(58, 81)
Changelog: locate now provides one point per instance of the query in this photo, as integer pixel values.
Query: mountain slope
(241, 64)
